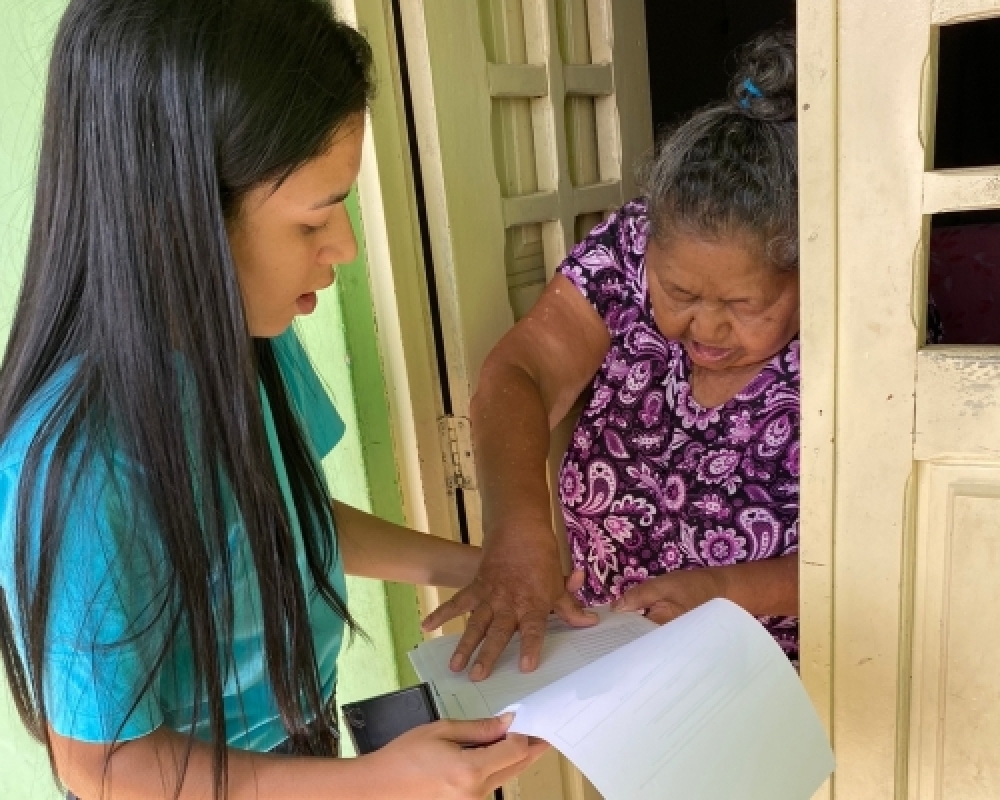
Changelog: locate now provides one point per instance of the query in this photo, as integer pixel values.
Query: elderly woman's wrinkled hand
(512, 594)
(666, 597)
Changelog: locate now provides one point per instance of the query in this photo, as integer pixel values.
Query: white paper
(704, 708)
(566, 649)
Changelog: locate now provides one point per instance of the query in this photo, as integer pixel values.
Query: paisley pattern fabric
(652, 481)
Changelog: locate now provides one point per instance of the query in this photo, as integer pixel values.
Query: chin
(712, 366)
(271, 331)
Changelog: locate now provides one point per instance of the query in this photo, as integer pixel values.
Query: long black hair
(159, 116)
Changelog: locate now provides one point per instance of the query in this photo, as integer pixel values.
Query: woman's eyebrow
(332, 200)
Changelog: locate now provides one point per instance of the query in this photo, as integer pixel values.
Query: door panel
(544, 86)
(900, 573)
(946, 12)
(530, 116)
(958, 403)
(955, 723)
(817, 95)
(881, 162)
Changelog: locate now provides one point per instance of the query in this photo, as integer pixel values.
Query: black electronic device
(375, 722)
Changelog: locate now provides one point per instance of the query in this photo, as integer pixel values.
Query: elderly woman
(678, 318)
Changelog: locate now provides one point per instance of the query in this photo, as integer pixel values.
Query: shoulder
(775, 390)
(615, 243)
(321, 421)
(785, 365)
(93, 479)
(608, 265)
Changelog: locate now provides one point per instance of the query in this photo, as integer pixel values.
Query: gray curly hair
(732, 168)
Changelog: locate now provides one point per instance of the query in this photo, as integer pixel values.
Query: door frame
(817, 43)
(388, 201)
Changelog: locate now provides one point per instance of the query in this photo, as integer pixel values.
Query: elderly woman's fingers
(574, 582)
(504, 625)
(463, 602)
(568, 608)
(477, 627)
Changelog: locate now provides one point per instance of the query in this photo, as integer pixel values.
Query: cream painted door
(901, 442)
(530, 118)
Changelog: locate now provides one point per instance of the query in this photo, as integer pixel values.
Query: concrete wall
(26, 30)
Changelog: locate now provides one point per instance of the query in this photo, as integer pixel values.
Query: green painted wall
(376, 439)
(26, 29)
(340, 337)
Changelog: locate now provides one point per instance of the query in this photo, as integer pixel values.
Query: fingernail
(506, 719)
(477, 672)
(526, 663)
(455, 664)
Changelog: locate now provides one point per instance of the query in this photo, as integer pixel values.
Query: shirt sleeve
(608, 265)
(108, 622)
(321, 421)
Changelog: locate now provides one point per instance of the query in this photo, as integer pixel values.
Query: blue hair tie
(751, 89)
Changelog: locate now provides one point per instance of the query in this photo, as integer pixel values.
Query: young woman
(171, 562)
(677, 318)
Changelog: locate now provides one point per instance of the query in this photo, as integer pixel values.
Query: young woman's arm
(374, 548)
(427, 763)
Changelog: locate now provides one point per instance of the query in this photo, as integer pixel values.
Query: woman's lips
(306, 303)
(707, 353)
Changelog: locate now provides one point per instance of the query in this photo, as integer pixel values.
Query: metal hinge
(456, 450)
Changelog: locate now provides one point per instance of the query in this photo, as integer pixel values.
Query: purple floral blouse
(654, 482)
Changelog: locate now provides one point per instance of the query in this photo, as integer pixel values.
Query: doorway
(691, 48)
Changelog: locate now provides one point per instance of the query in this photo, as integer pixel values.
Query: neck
(713, 387)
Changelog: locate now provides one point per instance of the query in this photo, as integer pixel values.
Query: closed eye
(310, 229)
(745, 304)
(675, 292)
(680, 294)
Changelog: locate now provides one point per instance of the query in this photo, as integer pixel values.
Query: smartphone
(375, 722)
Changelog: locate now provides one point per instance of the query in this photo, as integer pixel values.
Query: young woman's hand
(666, 597)
(451, 760)
(441, 761)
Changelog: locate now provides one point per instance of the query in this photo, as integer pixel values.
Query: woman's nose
(339, 245)
(710, 324)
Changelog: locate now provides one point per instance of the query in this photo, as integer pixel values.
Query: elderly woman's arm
(764, 588)
(528, 383)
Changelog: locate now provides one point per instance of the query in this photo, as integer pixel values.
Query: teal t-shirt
(103, 632)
